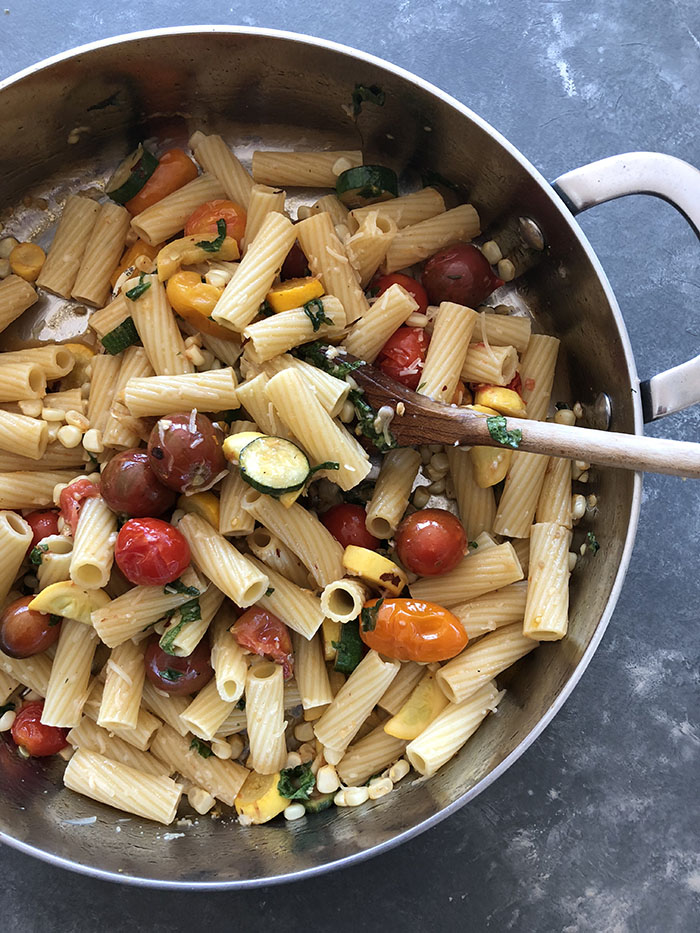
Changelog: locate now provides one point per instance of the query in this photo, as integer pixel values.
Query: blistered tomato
(72, 497)
(185, 452)
(43, 524)
(346, 522)
(411, 285)
(178, 676)
(411, 630)
(263, 633)
(204, 218)
(29, 732)
(459, 273)
(430, 541)
(175, 169)
(403, 355)
(150, 552)
(129, 485)
(24, 632)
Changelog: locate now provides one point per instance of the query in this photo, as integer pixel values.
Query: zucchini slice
(131, 175)
(366, 184)
(318, 803)
(273, 465)
(124, 335)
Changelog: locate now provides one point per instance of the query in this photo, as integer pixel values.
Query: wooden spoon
(423, 421)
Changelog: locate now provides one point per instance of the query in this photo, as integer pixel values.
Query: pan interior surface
(65, 126)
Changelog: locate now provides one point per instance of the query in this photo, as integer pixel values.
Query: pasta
(250, 614)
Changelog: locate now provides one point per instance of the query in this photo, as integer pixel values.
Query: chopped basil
(6, 708)
(315, 354)
(314, 311)
(135, 293)
(266, 309)
(296, 783)
(54, 620)
(177, 586)
(37, 554)
(474, 544)
(189, 612)
(269, 591)
(213, 246)
(196, 745)
(592, 543)
(241, 703)
(368, 616)
(359, 495)
(498, 431)
(171, 674)
(421, 385)
(350, 648)
(366, 417)
(372, 95)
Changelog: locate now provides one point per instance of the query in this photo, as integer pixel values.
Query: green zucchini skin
(318, 804)
(124, 335)
(366, 184)
(273, 465)
(131, 175)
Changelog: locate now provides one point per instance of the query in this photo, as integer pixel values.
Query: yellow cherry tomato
(294, 293)
(194, 300)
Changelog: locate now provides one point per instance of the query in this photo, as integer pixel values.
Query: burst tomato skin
(178, 676)
(151, 552)
(203, 219)
(263, 633)
(407, 282)
(33, 736)
(185, 452)
(430, 542)
(346, 522)
(175, 169)
(412, 630)
(403, 355)
(459, 273)
(72, 497)
(43, 522)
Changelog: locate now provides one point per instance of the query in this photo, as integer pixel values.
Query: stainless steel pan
(66, 122)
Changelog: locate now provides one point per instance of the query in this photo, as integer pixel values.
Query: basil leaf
(37, 554)
(213, 246)
(371, 95)
(171, 674)
(196, 745)
(188, 612)
(241, 703)
(368, 616)
(592, 543)
(177, 586)
(266, 309)
(314, 311)
(269, 591)
(54, 620)
(366, 416)
(296, 783)
(498, 431)
(315, 354)
(135, 293)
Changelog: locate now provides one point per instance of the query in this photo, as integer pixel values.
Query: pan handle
(674, 181)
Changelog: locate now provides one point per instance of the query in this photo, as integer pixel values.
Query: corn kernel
(380, 787)
(421, 497)
(399, 770)
(200, 800)
(578, 507)
(6, 720)
(236, 743)
(31, 407)
(332, 755)
(221, 748)
(339, 799)
(294, 811)
(69, 436)
(355, 796)
(53, 414)
(327, 780)
(7, 244)
(506, 270)
(307, 752)
(492, 252)
(92, 441)
(304, 732)
(77, 419)
(572, 561)
(293, 760)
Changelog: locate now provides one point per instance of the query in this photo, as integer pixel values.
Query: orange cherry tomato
(175, 169)
(203, 219)
(29, 732)
(131, 254)
(411, 630)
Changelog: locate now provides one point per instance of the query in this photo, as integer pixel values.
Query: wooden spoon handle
(627, 451)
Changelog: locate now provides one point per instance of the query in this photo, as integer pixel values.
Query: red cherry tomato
(430, 542)
(412, 630)
(73, 497)
(29, 732)
(129, 485)
(459, 273)
(296, 265)
(346, 523)
(203, 219)
(263, 633)
(412, 286)
(178, 676)
(43, 524)
(25, 632)
(185, 452)
(150, 552)
(516, 384)
(403, 355)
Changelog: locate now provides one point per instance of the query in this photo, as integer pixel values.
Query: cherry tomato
(178, 676)
(129, 485)
(263, 633)
(203, 219)
(296, 265)
(150, 552)
(403, 355)
(24, 632)
(459, 273)
(430, 542)
(43, 523)
(515, 384)
(412, 286)
(346, 523)
(175, 169)
(185, 452)
(412, 630)
(72, 497)
(29, 732)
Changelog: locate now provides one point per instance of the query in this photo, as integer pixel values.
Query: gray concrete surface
(596, 827)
